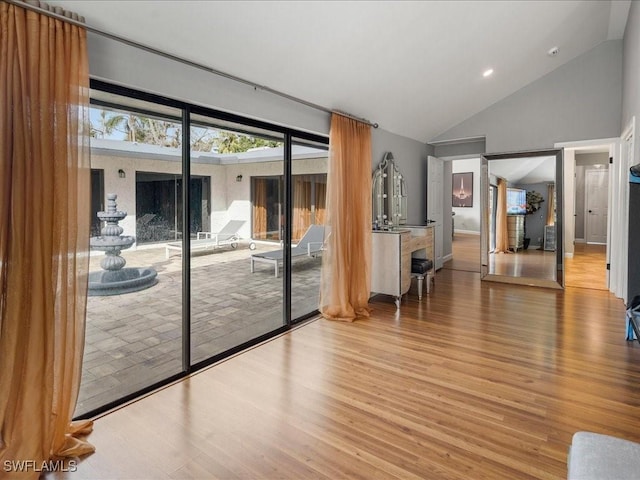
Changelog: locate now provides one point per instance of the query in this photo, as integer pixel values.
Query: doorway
(159, 206)
(463, 253)
(97, 200)
(587, 268)
(590, 168)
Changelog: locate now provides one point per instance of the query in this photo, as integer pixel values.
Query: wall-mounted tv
(516, 201)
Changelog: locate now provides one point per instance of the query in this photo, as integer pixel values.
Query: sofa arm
(593, 456)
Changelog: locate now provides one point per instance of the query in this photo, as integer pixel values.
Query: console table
(392, 251)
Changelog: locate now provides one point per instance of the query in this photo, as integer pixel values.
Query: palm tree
(136, 128)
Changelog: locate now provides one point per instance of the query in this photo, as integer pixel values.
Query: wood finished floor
(587, 268)
(466, 253)
(477, 381)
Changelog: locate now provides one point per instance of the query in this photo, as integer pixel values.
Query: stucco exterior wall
(230, 199)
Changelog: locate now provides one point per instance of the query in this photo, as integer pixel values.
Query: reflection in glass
(517, 225)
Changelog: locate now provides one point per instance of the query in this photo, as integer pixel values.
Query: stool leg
(420, 279)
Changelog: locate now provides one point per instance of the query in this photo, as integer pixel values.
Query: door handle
(590, 211)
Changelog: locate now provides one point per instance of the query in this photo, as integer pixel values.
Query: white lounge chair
(311, 245)
(228, 235)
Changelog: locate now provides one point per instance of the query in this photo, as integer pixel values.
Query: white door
(435, 206)
(596, 201)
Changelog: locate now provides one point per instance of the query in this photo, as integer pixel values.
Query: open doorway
(586, 264)
(465, 221)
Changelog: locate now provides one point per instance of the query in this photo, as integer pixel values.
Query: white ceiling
(525, 170)
(414, 67)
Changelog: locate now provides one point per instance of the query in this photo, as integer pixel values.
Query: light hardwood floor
(466, 253)
(477, 381)
(587, 268)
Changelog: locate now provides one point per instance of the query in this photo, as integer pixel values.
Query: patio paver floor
(134, 340)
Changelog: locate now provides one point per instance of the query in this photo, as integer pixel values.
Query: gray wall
(631, 107)
(580, 100)
(411, 158)
(459, 149)
(631, 74)
(120, 64)
(535, 222)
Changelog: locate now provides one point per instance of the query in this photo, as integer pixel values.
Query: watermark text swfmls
(40, 467)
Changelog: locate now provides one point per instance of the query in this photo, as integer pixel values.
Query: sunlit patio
(135, 339)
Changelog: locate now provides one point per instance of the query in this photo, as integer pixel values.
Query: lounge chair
(310, 245)
(228, 235)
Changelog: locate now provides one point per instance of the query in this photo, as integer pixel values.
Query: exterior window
(229, 217)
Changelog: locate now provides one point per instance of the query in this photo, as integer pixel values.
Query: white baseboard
(579, 240)
(446, 258)
(469, 232)
(568, 255)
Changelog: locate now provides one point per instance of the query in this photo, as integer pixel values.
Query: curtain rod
(146, 48)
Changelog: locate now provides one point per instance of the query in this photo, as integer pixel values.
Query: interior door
(435, 206)
(596, 192)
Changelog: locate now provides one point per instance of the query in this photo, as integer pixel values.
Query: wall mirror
(521, 218)
(389, 195)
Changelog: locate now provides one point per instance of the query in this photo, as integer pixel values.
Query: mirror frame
(484, 220)
(389, 195)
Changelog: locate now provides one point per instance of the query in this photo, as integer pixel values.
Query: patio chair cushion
(311, 244)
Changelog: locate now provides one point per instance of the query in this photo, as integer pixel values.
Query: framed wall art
(462, 190)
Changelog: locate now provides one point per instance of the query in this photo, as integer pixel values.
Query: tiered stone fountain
(114, 279)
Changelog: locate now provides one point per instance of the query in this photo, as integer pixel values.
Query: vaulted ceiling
(414, 67)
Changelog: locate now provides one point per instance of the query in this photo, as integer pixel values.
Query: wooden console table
(392, 251)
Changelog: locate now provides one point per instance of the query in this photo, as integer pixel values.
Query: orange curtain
(44, 234)
(301, 207)
(502, 235)
(345, 279)
(260, 208)
(320, 205)
(551, 210)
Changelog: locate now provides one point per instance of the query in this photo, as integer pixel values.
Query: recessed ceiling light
(488, 72)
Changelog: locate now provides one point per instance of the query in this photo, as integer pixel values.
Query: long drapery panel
(321, 201)
(260, 208)
(345, 280)
(502, 234)
(44, 234)
(301, 207)
(551, 208)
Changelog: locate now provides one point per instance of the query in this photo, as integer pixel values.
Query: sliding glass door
(220, 222)
(309, 162)
(236, 263)
(133, 329)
